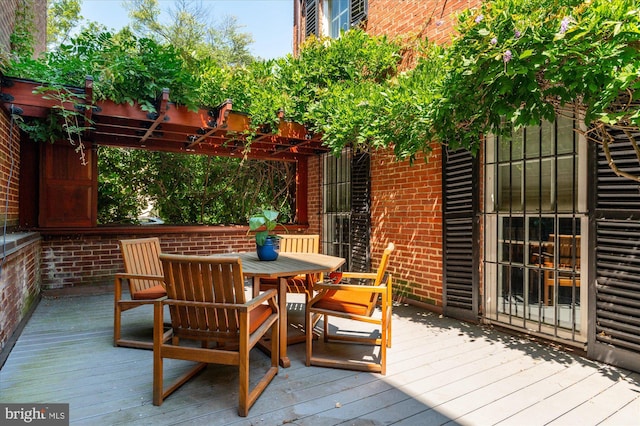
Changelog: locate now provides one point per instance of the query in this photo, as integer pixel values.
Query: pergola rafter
(219, 131)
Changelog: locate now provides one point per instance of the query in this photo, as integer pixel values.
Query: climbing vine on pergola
(510, 61)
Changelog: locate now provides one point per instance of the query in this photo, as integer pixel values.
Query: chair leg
(243, 393)
(117, 312)
(325, 319)
(308, 325)
(158, 338)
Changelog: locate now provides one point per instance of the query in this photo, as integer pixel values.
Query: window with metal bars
(346, 208)
(535, 213)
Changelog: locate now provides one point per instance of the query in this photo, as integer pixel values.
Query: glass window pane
(538, 190)
(504, 148)
(565, 135)
(539, 230)
(567, 184)
(517, 144)
(532, 141)
(547, 138)
(510, 187)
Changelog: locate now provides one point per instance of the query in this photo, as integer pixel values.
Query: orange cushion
(154, 292)
(333, 304)
(346, 296)
(296, 284)
(258, 316)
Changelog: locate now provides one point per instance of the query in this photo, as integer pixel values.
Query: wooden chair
(353, 302)
(207, 304)
(296, 243)
(568, 249)
(143, 273)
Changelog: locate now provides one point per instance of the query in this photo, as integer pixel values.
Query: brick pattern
(434, 20)
(7, 17)
(20, 271)
(8, 10)
(19, 288)
(9, 168)
(406, 208)
(69, 261)
(407, 199)
(314, 196)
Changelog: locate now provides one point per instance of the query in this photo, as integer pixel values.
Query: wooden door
(68, 188)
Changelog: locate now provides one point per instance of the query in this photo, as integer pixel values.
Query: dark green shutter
(360, 212)
(358, 12)
(311, 15)
(615, 331)
(460, 235)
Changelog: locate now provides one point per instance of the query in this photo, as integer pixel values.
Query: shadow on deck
(440, 371)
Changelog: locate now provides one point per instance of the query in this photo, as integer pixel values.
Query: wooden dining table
(286, 266)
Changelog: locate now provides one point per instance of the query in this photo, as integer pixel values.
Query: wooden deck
(440, 371)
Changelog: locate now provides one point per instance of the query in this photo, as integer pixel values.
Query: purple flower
(564, 24)
(479, 18)
(517, 34)
(439, 22)
(494, 41)
(507, 56)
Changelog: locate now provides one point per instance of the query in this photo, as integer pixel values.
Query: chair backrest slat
(204, 279)
(384, 262)
(297, 243)
(141, 256)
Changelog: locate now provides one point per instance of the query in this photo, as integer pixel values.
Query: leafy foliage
(62, 17)
(189, 189)
(512, 60)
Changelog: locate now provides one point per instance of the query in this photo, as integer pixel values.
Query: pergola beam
(174, 128)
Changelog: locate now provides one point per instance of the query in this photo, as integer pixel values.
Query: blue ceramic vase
(270, 249)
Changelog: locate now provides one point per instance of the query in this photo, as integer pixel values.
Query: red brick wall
(407, 210)
(79, 260)
(407, 199)
(19, 271)
(38, 11)
(9, 168)
(431, 19)
(19, 288)
(314, 197)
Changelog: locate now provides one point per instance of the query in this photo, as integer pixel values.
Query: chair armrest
(261, 298)
(246, 307)
(351, 287)
(122, 275)
(361, 275)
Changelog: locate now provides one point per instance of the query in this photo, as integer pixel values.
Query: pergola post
(302, 190)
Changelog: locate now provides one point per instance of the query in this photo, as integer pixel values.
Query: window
(338, 17)
(346, 217)
(535, 213)
(329, 17)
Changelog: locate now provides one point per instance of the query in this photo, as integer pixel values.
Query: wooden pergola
(174, 128)
(218, 131)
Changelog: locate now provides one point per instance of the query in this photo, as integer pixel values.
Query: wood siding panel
(68, 187)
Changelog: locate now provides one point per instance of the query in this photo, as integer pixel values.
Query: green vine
(514, 60)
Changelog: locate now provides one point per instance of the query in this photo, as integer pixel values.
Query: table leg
(265, 346)
(284, 322)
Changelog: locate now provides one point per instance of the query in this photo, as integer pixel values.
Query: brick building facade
(36, 10)
(406, 199)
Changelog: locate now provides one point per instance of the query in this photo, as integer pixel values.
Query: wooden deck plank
(525, 397)
(439, 371)
(574, 395)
